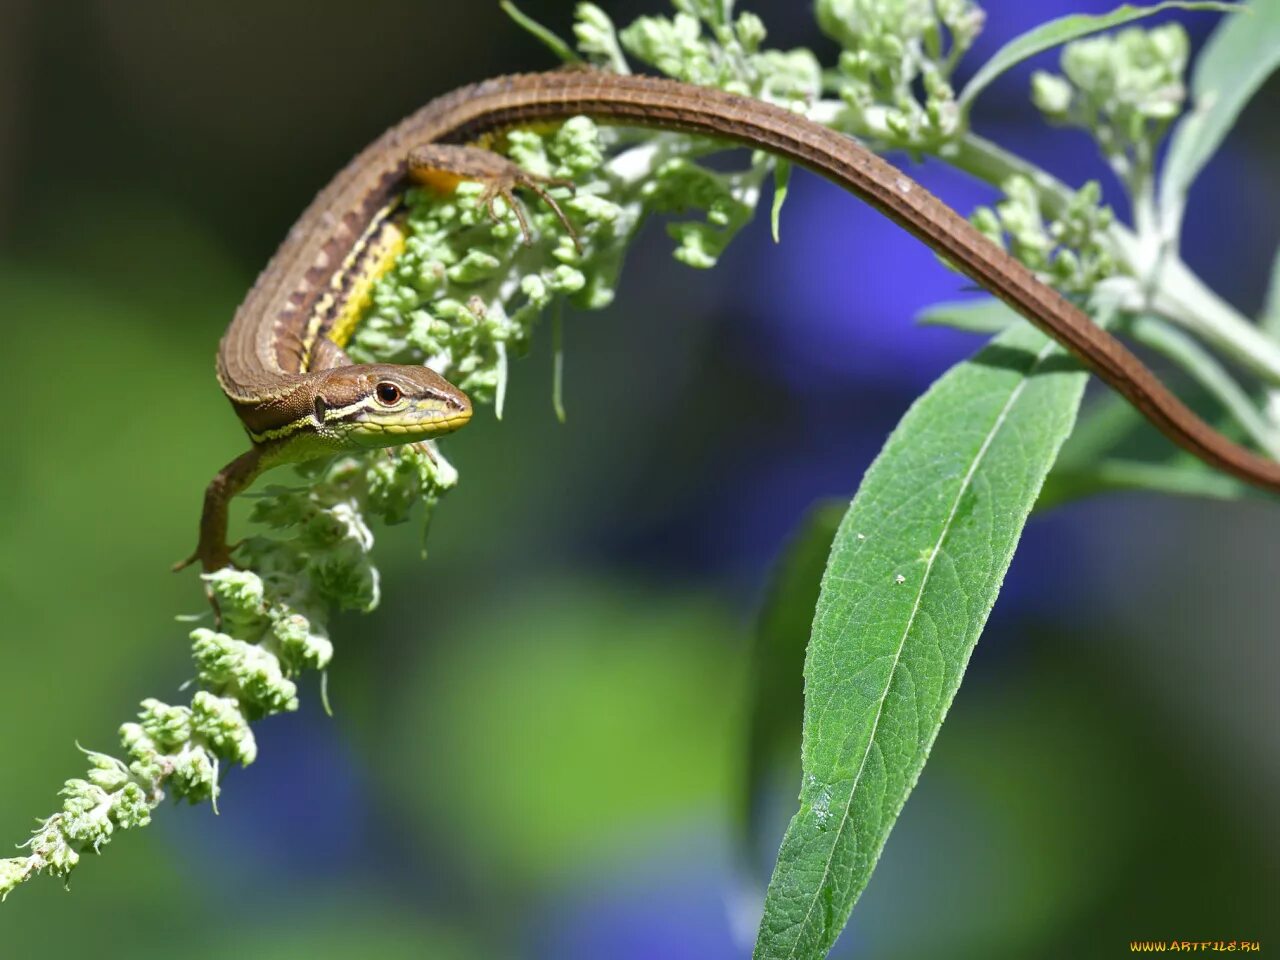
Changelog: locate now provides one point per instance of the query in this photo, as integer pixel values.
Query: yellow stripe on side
(341, 306)
(378, 256)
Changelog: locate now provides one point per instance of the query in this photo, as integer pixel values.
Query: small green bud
(217, 656)
(591, 14)
(890, 47)
(195, 775)
(107, 772)
(697, 245)
(673, 45)
(988, 224)
(595, 208)
(596, 36)
(49, 845)
(963, 19)
(136, 741)
(566, 279)
(1065, 267)
(751, 31)
(239, 593)
(219, 721)
(936, 86)
(146, 764)
(577, 147)
(533, 287)
(899, 125)
(169, 727)
(855, 64)
(943, 116)
(300, 642)
(86, 812)
(528, 149)
(792, 78)
(478, 264)
(150, 770)
(1051, 94)
(712, 11)
(130, 807)
(224, 663)
(1170, 48)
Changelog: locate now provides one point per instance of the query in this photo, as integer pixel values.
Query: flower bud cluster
(1072, 252)
(705, 44)
(108, 799)
(244, 669)
(1124, 88)
(896, 64)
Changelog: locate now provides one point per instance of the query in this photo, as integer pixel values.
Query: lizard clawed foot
(421, 447)
(393, 453)
(505, 185)
(424, 448)
(441, 166)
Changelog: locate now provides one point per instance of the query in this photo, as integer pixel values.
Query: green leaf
(987, 315)
(1235, 61)
(557, 375)
(775, 688)
(544, 34)
(781, 184)
(1184, 478)
(914, 570)
(1063, 30)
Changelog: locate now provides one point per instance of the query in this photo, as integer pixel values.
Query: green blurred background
(538, 739)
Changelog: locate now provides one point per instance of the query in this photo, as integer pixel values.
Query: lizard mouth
(411, 430)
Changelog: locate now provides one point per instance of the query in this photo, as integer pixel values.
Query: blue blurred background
(539, 737)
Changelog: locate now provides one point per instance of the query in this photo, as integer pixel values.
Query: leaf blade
(1174, 479)
(986, 315)
(957, 478)
(1054, 33)
(781, 186)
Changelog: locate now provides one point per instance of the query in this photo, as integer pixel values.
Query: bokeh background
(539, 737)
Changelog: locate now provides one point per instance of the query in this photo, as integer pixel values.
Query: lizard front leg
(212, 551)
(442, 166)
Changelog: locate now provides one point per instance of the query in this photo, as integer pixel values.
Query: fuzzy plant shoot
(475, 272)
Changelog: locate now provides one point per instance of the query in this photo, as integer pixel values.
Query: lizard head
(384, 405)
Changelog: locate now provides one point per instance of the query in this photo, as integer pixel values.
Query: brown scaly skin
(263, 360)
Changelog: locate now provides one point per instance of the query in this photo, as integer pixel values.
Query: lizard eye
(388, 394)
